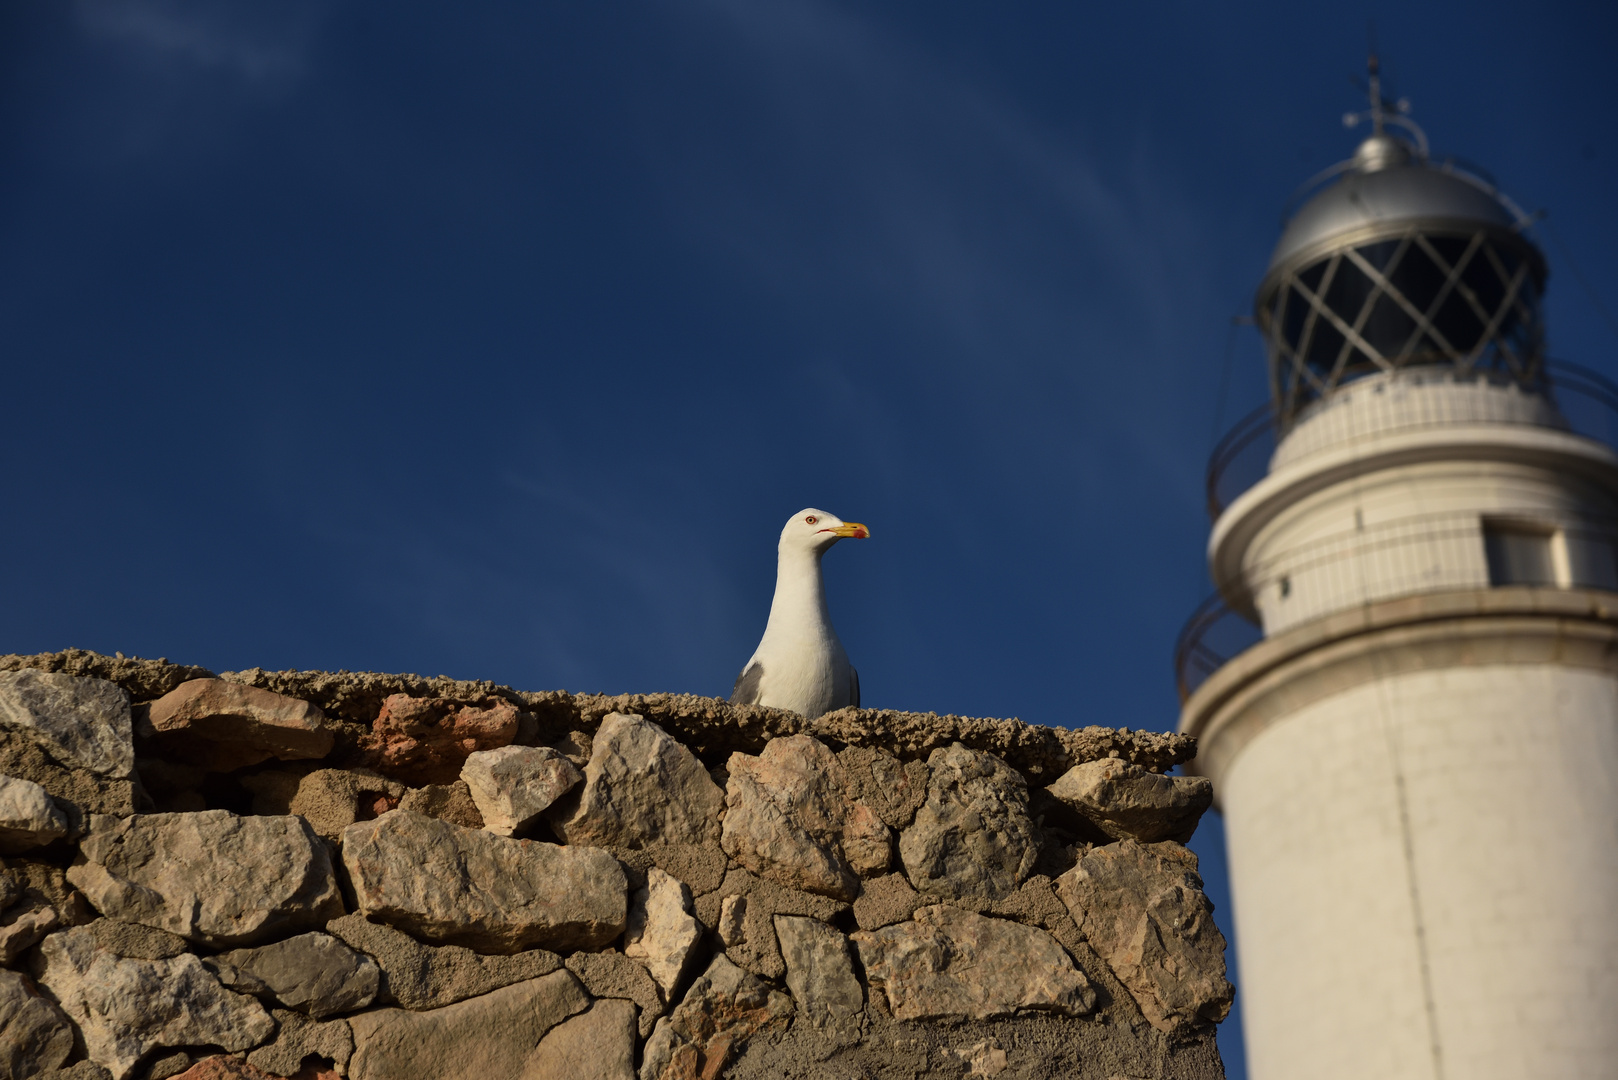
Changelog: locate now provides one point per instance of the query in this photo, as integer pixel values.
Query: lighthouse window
(1519, 553)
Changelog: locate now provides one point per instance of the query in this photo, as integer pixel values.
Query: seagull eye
(811, 519)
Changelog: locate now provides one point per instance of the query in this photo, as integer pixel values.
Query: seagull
(800, 665)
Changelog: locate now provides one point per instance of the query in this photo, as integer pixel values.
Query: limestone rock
(419, 976)
(790, 818)
(1141, 906)
(446, 802)
(662, 933)
(599, 1043)
(950, 964)
(723, 1009)
(481, 1039)
(885, 901)
(25, 929)
(34, 1035)
(125, 1008)
(78, 723)
(640, 787)
(894, 790)
(867, 842)
(756, 950)
(611, 974)
(732, 920)
(426, 740)
(821, 977)
(513, 785)
(972, 837)
(457, 886)
(221, 726)
(210, 876)
(1127, 802)
(314, 972)
(298, 1037)
(330, 800)
(28, 817)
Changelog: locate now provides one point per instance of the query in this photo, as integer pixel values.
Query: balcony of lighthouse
(1415, 481)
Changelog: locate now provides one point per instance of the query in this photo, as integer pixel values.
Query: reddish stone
(427, 740)
(224, 1067)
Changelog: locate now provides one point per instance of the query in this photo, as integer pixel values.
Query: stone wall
(308, 874)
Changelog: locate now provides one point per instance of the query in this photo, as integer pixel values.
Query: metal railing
(1215, 633)
(1587, 398)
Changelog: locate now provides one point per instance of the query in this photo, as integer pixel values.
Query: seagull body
(800, 664)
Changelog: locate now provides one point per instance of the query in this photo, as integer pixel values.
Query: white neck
(799, 607)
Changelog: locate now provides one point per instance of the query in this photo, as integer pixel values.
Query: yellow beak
(852, 529)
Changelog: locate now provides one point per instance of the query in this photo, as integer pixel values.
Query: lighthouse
(1417, 764)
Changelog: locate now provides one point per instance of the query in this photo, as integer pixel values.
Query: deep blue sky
(500, 339)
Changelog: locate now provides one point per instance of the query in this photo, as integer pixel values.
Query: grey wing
(745, 692)
(853, 687)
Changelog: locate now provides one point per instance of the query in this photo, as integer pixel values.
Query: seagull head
(815, 530)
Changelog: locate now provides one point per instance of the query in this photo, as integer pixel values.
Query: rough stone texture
(134, 941)
(724, 1008)
(1039, 1046)
(427, 740)
(28, 817)
(821, 977)
(79, 1070)
(125, 1007)
(211, 877)
(221, 725)
(1143, 909)
(446, 802)
(641, 787)
(297, 1037)
(662, 934)
(757, 951)
(972, 837)
(1127, 802)
(23, 929)
(513, 785)
(34, 1035)
(329, 799)
(732, 928)
(712, 727)
(460, 886)
(142, 680)
(79, 723)
(481, 1039)
(614, 975)
(598, 1044)
(701, 869)
(36, 883)
(314, 972)
(954, 964)
(419, 976)
(885, 901)
(894, 789)
(789, 818)
(223, 1067)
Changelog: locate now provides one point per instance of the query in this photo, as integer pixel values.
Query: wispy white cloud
(259, 43)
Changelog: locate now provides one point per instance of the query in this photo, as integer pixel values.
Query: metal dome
(1368, 200)
(1400, 262)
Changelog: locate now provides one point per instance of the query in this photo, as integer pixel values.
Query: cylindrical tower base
(1421, 805)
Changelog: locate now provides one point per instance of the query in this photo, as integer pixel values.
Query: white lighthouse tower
(1418, 764)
